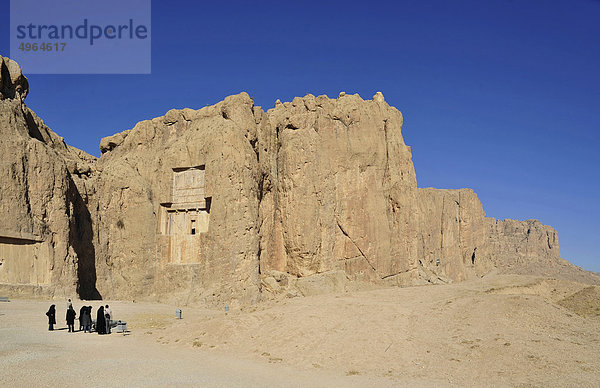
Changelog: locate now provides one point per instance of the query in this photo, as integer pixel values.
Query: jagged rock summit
(13, 83)
(231, 204)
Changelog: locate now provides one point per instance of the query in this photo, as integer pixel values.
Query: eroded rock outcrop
(229, 203)
(46, 244)
(454, 230)
(316, 186)
(145, 245)
(13, 84)
(341, 191)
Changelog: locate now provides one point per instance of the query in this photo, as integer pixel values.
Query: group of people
(103, 318)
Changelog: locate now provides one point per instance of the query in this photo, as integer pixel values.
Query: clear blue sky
(499, 96)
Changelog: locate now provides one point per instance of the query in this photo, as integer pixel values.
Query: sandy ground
(499, 331)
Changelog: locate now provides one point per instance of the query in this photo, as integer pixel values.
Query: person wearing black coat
(86, 319)
(100, 321)
(71, 319)
(51, 314)
(81, 313)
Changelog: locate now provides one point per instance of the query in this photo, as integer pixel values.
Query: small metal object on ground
(121, 327)
(226, 308)
(178, 313)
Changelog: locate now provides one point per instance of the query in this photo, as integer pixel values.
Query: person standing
(86, 318)
(71, 319)
(69, 303)
(51, 314)
(81, 314)
(100, 321)
(91, 321)
(108, 316)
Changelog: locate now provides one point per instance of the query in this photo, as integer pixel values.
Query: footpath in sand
(500, 331)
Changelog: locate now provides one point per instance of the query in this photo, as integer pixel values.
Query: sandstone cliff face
(341, 192)
(45, 243)
(454, 230)
(312, 186)
(134, 247)
(229, 204)
(318, 189)
(451, 229)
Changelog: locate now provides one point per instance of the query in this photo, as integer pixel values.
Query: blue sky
(499, 96)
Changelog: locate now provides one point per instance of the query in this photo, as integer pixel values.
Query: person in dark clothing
(71, 319)
(81, 313)
(51, 314)
(108, 316)
(100, 321)
(86, 318)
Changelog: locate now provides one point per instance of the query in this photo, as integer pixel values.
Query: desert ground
(502, 330)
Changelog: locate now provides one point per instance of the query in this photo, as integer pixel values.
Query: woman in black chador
(51, 314)
(81, 314)
(71, 319)
(100, 321)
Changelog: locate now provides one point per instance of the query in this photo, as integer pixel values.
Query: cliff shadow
(81, 239)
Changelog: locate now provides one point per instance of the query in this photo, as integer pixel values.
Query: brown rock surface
(312, 187)
(13, 83)
(454, 229)
(134, 194)
(451, 230)
(45, 230)
(342, 193)
(228, 203)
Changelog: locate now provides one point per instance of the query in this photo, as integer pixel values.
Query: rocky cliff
(46, 244)
(230, 204)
